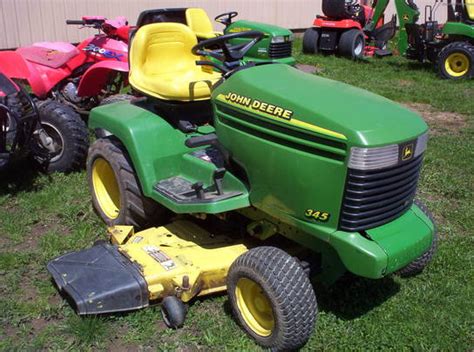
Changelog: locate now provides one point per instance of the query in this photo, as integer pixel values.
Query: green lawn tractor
(449, 46)
(262, 177)
(276, 46)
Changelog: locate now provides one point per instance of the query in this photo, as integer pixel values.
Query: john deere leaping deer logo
(407, 152)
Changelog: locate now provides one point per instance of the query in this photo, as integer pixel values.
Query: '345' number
(317, 215)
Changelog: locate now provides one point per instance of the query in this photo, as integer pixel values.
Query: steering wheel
(226, 18)
(353, 7)
(219, 49)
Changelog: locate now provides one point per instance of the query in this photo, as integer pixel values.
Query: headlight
(390, 155)
(282, 39)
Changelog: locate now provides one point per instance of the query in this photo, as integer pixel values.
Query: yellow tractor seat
(470, 9)
(163, 66)
(199, 22)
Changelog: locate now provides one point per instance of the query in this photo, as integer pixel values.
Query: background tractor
(450, 46)
(259, 178)
(350, 29)
(276, 45)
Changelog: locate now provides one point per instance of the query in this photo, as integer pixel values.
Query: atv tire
(116, 192)
(456, 61)
(421, 262)
(272, 298)
(352, 44)
(311, 41)
(69, 133)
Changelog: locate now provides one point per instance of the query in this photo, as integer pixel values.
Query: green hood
(243, 25)
(328, 108)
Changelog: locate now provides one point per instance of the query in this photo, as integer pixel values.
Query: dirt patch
(38, 325)
(31, 241)
(440, 122)
(117, 344)
(405, 83)
(309, 68)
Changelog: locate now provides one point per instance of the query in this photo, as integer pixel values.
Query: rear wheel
(115, 189)
(311, 41)
(456, 61)
(352, 44)
(69, 136)
(272, 298)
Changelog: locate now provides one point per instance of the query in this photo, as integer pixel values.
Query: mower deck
(180, 259)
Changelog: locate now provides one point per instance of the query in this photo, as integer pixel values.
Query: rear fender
(97, 76)
(14, 66)
(146, 137)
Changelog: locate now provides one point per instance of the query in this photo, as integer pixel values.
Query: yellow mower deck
(179, 259)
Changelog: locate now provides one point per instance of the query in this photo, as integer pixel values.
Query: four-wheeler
(270, 178)
(51, 133)
(449, 46)
(77, 76)
(347, 28)
(276, 46)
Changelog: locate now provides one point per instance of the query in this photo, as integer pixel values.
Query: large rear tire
(311, 41)
(352, 44)
(419, 264)
(456, 61)
(69, 134)
(272, 298)
(116, 192)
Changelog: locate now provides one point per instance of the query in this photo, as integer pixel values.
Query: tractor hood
(288, 97)
(268, 29)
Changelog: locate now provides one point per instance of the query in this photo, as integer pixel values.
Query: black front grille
(280, 50)
(375, 197)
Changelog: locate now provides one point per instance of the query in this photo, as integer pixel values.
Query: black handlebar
(76, 22)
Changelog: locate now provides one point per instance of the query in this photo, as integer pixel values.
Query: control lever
(198, 188)
(218, 177)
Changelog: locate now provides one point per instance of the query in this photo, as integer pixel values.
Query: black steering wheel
(226, 18)
(229, 55)
(353, 7)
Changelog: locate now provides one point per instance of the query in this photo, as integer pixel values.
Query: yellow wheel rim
(106, 189)
(457, 64)
(255, 307)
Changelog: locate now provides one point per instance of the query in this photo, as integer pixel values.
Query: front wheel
(352, 44)
(419, 264)
(272, 298)
(456, 61)
(116, 192)
(69, 136)
(311, 41)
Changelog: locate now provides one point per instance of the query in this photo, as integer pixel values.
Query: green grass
(44, 216)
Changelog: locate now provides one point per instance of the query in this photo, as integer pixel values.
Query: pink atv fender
(97, 76)
(13, 65)
(40, 78)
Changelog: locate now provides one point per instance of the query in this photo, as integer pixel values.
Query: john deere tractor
(261, 176)
(449, 46)
(276, 45)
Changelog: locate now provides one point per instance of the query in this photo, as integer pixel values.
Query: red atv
(53, 134)
(81, 76)
(347, 27)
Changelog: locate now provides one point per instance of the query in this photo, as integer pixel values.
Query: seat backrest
(335, 9)
(198, 21)
(469, 4)
(160, 48)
